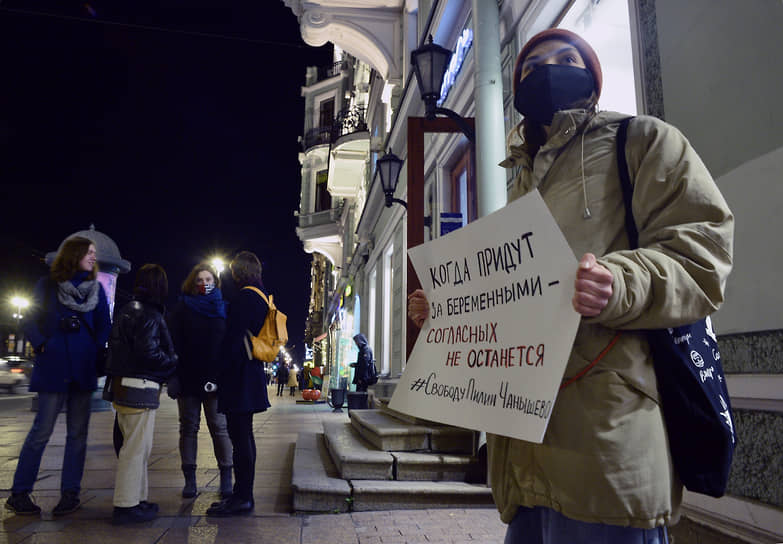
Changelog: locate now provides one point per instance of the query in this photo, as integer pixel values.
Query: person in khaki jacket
(603, 473)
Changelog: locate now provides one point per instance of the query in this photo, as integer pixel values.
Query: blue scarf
(211, 305)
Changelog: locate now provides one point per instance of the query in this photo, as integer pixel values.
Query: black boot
(233, 506)
(189, 491)
(226, 488)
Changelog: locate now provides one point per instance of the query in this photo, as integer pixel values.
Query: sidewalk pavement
(183, 520)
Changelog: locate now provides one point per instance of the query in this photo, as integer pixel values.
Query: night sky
(170, 125)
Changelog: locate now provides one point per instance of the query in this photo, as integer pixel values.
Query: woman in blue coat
(242, 382)
(68, 327)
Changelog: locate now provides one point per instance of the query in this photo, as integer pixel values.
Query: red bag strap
(586, 369)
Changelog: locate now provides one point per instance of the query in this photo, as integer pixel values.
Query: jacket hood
(361, 340)
(565, 125)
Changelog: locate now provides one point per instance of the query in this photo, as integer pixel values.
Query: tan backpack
(273, 334)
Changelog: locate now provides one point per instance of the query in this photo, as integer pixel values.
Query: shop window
(606, 25)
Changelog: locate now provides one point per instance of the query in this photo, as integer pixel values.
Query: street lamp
(389, 167)
(430, 62)
(20, 303)
(218, 264)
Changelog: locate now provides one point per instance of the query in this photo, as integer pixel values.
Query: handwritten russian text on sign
(493, 351)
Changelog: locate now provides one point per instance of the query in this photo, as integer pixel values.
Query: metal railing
(325, 72)
(349, 121)
(317, 136)
(320, 218)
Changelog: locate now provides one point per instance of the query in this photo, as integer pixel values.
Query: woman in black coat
(242, 382)
(198, 325)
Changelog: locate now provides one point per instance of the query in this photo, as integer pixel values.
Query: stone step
(389, 433)
(355, 457)
(371, 495)
(432, 467)
(315, 481)
(384, 387)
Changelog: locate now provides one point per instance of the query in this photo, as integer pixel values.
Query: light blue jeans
(541, 525)
(77, 421)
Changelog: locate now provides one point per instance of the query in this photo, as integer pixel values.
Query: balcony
(317, 136)
(350, 150)
(350, 121)
(322, 73)
(321, 232)
(318, 219)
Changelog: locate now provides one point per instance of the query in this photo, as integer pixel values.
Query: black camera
(70, 324)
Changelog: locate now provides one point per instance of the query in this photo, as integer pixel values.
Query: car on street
(14, 372)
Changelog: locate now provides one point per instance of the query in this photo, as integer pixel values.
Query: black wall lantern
(430, 62)
(389, 167)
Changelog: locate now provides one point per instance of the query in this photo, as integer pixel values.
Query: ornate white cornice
(370, 30)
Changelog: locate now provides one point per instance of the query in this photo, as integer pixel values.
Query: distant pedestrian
(242, 383)
(141, 359)
(293, 380)
(282, 378)
(68, 326)
(363, 361)
(198, 325)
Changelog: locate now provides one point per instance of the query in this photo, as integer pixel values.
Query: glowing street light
(20, 303)
(218, 264)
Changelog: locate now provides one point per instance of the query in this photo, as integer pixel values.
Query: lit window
(606, 26)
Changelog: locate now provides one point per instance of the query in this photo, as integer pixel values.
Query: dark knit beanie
(587, 52)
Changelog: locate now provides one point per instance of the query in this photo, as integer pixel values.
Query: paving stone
(183, 520)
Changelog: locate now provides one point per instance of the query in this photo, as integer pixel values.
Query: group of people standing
(289, 376)
(199, 350)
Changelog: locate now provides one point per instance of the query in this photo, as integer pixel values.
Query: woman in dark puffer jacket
(141, 358)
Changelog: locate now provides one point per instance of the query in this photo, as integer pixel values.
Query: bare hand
(418, 307)
(593, 286)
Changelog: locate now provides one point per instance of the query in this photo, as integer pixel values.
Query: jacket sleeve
(31, 321)
(153, 347)
(175, 325)
(678, 273)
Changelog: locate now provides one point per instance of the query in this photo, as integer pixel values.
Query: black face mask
(550, 88)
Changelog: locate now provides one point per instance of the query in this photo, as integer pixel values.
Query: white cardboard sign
(492, 354)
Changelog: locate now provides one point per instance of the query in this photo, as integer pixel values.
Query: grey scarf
(87, 291)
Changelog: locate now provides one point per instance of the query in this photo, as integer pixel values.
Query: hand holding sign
(418, 307)
(593, 286)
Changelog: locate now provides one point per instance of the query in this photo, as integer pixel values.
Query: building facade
(698, 66)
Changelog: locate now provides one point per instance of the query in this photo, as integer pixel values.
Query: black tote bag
(692, 388)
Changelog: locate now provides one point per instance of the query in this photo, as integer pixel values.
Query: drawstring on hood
(586, 214)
